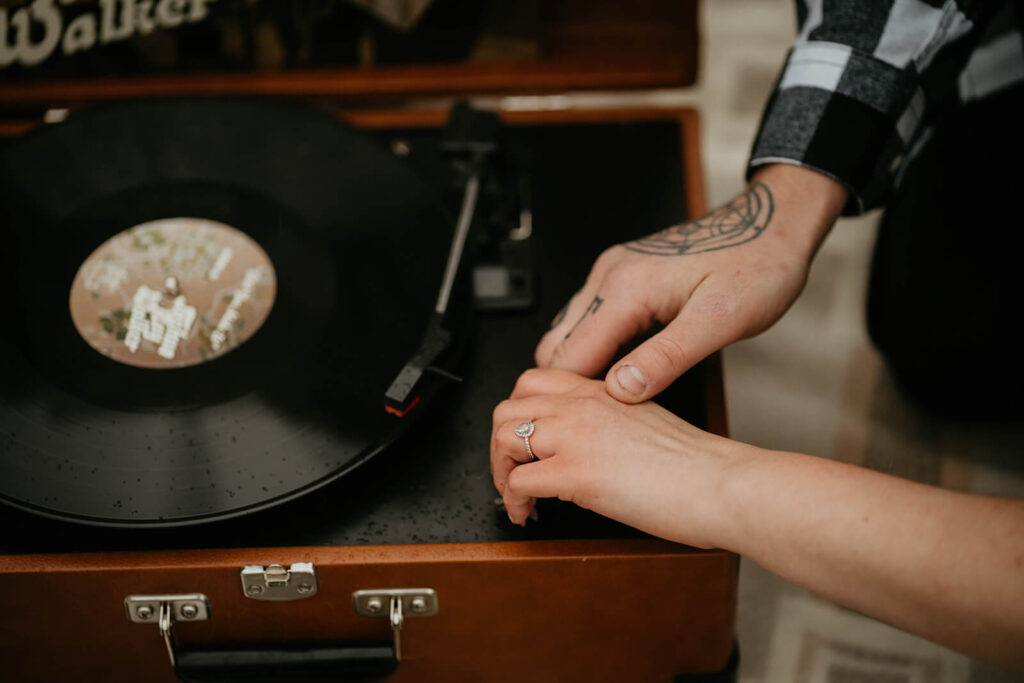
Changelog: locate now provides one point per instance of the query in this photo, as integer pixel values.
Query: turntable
(249, 362)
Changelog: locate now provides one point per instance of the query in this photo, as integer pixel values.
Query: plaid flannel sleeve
(856, 87)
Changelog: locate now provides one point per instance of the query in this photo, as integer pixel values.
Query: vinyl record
(206, 300)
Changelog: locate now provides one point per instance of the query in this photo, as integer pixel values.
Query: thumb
(546, 478)
(660, 360)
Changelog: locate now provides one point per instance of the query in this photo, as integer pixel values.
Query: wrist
(738, 467)
(717, 500)
(807, 203)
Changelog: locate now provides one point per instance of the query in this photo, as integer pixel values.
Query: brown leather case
(636, 609)
(643, 610)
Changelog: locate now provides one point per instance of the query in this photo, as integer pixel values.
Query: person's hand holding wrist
(711, 281)
(638, 464)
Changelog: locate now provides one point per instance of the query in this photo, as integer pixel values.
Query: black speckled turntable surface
(254, 444)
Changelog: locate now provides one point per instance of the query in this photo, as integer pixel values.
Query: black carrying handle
(360, 664)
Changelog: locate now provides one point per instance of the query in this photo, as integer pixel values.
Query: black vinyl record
(357, 246)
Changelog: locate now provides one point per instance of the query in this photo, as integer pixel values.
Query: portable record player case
(555, 605)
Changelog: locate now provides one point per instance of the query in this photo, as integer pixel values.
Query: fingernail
(631, 379)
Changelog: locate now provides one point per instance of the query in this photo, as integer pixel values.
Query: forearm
(945, 565)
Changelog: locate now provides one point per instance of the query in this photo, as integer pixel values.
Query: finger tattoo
(591, 310)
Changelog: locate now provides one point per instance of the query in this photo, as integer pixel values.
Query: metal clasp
(277, 583)
(164, 610)
(399, 603)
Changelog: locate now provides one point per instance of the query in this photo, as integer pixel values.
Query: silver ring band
(525, 430)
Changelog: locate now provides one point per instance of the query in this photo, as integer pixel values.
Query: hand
(711, 281)
(638, 464)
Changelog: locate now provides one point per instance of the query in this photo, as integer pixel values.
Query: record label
(172, 293)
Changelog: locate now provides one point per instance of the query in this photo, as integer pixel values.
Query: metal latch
(396, 604)
(277, 583)
(164, 610)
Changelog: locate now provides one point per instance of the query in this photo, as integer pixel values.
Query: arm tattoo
(743, 219)
(591, 309)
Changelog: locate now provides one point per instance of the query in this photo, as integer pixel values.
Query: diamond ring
(524, 430)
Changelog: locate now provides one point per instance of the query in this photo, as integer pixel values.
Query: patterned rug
(815, 642)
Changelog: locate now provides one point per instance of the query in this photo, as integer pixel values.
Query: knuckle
(606, 259)
(499, 412)
(622, 278)
(512, 484)
(507, 439)
(528, 380)
(667, 353)
(503, 433)
(516, 491)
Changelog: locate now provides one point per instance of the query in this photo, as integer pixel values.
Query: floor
(814, 384)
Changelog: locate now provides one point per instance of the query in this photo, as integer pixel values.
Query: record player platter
(207, 301)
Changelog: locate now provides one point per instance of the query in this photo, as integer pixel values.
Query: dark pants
(947, 280)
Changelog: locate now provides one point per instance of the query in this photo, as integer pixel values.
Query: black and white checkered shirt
(866, 79)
